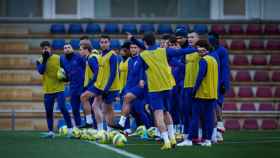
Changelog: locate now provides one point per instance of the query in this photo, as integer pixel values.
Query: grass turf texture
(249, 144)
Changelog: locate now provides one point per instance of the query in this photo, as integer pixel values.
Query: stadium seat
(268, 124)
(254, 29)
(131, 28)
(245, 92)
(147, 28)
(240, 60)
(232, 124)
(200, 28)
(230, 93)
(230, 107)
(57, 29)
(275, 76)
(275, 59)
(264, 92)
(164, 28)
(271, 29)
(185, 26)
(273, 45)
(261, 76)
(75, 29)
(259, 60)
(237, 45)
(224, 43)
(218, 28)
(95, 44)
(58, 44)
(75, 43)
(111, 28)
(235, 29)
(266, 107)
(231, 76)
(93, 28)
(248, 107)
(115, 44)
(278, 107)
(243, 76)
(277, 92)
(256, 45)
(250, 124)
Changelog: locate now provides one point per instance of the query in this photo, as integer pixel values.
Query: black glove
(45, 56)
(222, 89)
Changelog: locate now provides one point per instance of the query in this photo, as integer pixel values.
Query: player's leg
(49, 104)
(97, 108)
(75, 103)
(85, 98)
(128, 98)
(108, 108)
(208, 123)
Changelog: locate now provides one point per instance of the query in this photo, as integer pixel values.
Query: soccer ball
(152, 131)
(102, 137)
(76, 133)
(92, 133)
(84, 134)
(140, 131)
(112, 134)
(61, 74)
(63, 131)
(119, 140)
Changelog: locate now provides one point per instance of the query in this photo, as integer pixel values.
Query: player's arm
(225, 70)
(93, 64)
(41, 63)
(113, 67)
(171, 52)
(201, 74)
(142, 67)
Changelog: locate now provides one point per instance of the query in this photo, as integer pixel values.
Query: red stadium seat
(218, 28)
(232, 124)
(271, 29)
(254, 29)
(256, 45)
(264, 92)
(230, 93)
(230, 107)
(269, 124)
(231, 76)
(275, 76)
(278, 107)
(245, 92)
(261, 76)
(240, 60)
(243, 76)
(235, 29)
(237, 45)
(277, 92)
(224, 43)
(273, 45)
(250, 124)
(248, 107)
(266, 107)
(275, 59)
(259, 60)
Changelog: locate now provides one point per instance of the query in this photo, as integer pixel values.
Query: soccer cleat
(185, 143)
(49, 135)
(206, 143)
(221, 127)
(166, 146)
(173, 142)
(219, 137)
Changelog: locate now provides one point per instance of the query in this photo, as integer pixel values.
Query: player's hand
(129, 36)
(45, 56)
(142, 83)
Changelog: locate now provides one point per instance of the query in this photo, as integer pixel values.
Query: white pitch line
(119, 151)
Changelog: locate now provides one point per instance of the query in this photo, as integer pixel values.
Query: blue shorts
(137, 91)
(160, 100)
(108, 97)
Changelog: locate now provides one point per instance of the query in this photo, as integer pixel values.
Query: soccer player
(191, 69)
(157, 73)
(204, 94)
(48, 66)
(224, 79)
(107, 85)
(74, 67)
(91, 71)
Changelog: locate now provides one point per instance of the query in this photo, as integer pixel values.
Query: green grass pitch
(246, 144)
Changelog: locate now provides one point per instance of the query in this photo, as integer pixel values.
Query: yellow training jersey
(209, 85)
(159, 75)
(123, 73)
(88, 72)
(51, 84)
(191, 69)
(104, 73)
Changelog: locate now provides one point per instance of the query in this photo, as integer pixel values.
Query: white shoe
(206, 143)
(221, 127)
(185, 143)
(219, 137)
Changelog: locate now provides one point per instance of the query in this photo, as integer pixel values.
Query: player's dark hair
(84, 38)
(165, 37)
(203, 43)
(105, 37)
(214, 34)
(172, 39)
(149, 38)
(45, 44)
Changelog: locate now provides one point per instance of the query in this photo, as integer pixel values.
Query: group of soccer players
(176, 86)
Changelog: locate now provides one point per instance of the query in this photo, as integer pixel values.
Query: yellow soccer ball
(119, 140)
(103, 137)
(61, 74)
(63, 131)
(152, 131)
